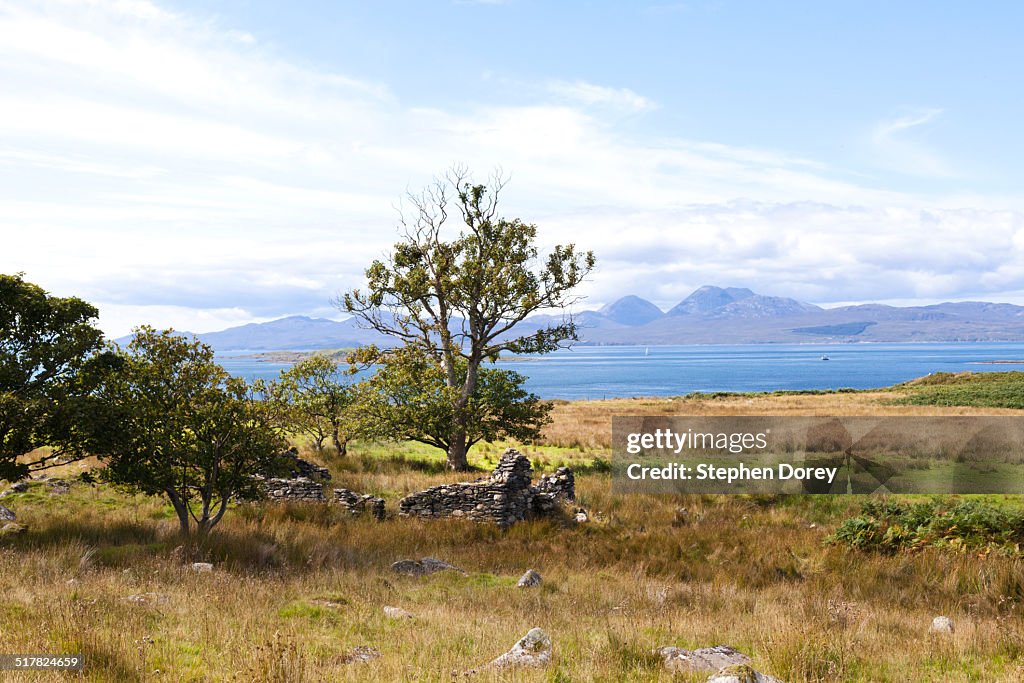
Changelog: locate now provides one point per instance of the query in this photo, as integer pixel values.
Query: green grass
(982, 389)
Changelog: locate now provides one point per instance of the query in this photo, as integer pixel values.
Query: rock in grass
(360, 653)
(942, 624)
(202, 567)
(530, 579)
(147, 599)
(704, 659)
(20, 487)
(422, 567)
(533, 649)
(7, 515)
(741, 673)
(12, 529)
(396, 613)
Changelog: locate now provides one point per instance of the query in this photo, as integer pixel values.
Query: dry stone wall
(504, 498)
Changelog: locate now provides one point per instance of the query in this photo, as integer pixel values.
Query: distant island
(710, 315)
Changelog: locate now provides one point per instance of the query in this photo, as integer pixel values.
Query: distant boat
(647, 351)
(824, 358)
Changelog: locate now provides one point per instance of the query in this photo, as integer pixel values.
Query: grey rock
(7, 515)
(533, 649)
(397, 613)
(202, 567)
(147, 599)
(360, 653)
(422, 567)
(20, 487)
(530, 579)
(942, 624)
(741, 673)
(13, 529)
(677, 659)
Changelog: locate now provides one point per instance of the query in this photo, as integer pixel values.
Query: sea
(598, 372)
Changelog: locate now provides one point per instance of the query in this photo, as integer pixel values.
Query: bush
(889, 526)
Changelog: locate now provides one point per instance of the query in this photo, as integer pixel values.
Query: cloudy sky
(204, 163)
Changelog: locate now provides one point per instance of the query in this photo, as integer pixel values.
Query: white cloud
(591, 94)
(898, 145)
(176, 172)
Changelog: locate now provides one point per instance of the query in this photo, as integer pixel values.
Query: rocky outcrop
(942, 625)
(7, 515)
(503, 498)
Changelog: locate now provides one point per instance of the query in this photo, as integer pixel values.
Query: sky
(203, 164)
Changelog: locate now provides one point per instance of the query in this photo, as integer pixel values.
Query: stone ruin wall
(504, 498)
(307, 486)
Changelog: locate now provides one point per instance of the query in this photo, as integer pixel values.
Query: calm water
(624, 371)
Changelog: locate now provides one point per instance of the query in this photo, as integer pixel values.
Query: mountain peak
(709, 298)
(631, 310)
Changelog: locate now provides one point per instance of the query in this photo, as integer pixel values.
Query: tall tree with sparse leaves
(458, 300)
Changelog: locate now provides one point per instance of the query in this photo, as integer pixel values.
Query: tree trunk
(181, 510)
(341, 447)
(457, 446)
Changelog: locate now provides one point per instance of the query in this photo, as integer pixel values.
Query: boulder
(942, 624)
(20, 487)
(12, 529)
(202, 567)
(704, 659)
(147, 599)
(360, 653)
(741, 673)
(422, 567)
(533, 649)
(7, 515)
(396, 613)
(530, 579)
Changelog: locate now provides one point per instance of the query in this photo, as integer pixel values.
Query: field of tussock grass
(296, 588)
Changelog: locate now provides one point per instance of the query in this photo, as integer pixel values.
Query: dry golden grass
(587, 424)
(295, 588)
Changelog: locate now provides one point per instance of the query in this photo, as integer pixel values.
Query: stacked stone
(504, 498)
(561, 484)
(552, 491)
(357, 503)
(298, 467)
(298, 490)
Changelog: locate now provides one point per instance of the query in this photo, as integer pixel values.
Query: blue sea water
(593, 372)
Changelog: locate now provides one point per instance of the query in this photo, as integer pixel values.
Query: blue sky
(202, 164)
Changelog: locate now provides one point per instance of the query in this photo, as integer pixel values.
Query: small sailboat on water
(824, 357)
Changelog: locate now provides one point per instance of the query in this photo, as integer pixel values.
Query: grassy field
(296, 588)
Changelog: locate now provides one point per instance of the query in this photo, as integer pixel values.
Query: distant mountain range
(710, 315)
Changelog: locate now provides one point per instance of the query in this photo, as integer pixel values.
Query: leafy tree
(314, 399)
(457, 301)
(51, 360)
(181, 427)
(408, 398)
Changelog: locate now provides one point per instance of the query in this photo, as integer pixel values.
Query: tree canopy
(407, 398)
(178, 425)
(458, 300)
(51, 360)
(314, 398)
